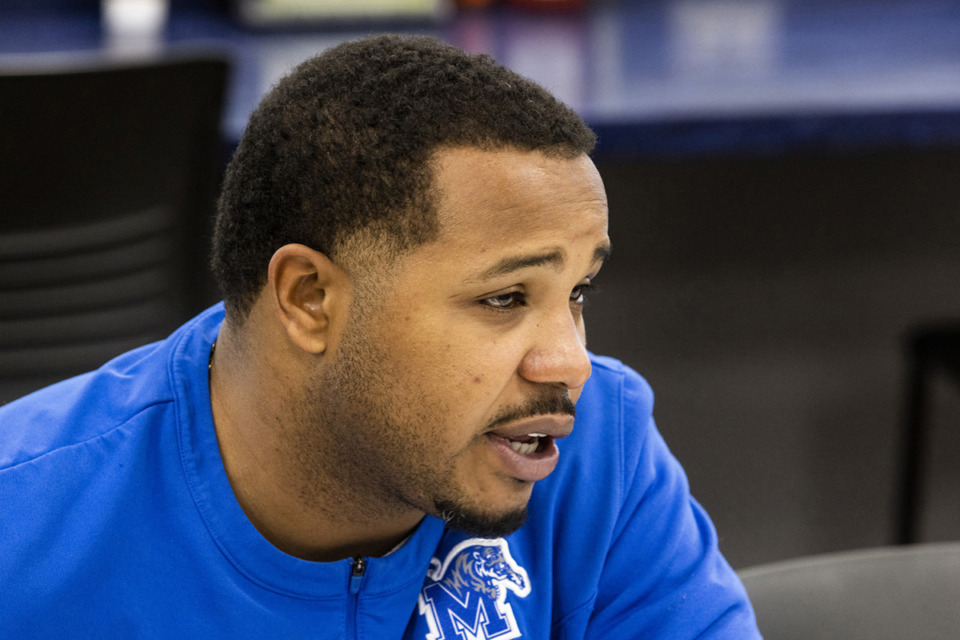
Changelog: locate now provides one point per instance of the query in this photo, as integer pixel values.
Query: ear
(311, 295)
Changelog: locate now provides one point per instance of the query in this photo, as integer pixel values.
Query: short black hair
(344, 143)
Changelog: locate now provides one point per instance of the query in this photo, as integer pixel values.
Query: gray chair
(890, 593)
(108, 177)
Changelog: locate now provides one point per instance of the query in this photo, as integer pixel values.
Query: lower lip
(529, 467)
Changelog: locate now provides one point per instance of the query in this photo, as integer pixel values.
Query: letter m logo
(465, 597)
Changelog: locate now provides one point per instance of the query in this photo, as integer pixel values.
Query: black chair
(108, 179)
(932, 350)
(879, 594)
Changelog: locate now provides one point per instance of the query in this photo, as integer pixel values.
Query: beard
(478, 524)
(372, 445)
(463, 517)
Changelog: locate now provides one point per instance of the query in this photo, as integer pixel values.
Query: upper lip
(552, 425)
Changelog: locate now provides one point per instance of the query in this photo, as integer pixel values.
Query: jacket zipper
(357, 571)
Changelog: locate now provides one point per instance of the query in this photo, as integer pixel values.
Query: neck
(275, 466)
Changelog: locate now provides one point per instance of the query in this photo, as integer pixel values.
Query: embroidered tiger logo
(465, 596)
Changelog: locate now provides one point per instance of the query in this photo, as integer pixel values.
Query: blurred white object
(278, 12)
(720, 38)
(135, 18)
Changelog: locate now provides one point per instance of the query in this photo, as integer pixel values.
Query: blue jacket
(118, 521)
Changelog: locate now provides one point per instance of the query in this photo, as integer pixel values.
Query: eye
(504, 301)
(580, 292)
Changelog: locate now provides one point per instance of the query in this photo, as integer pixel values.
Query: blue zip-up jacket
(117, 521)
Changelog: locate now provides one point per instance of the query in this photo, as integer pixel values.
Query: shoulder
(90, 406)
(81, 408)
(617, 397)
(613, 380)
(636, 555)
(614, 428)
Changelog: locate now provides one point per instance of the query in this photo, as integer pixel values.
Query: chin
(481, 524)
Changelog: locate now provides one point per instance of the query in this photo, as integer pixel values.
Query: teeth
(524, 448)
(537, 435)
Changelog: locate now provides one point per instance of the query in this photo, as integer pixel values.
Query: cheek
(436, 357)
(459, 371)
(462, 397)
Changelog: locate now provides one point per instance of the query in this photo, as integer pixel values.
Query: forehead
(490, 200)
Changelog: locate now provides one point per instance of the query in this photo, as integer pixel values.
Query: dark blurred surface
(108, 177)
(766, 300)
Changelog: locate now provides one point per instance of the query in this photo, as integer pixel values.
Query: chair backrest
(878, 594)
(932, 348)
(108, 178)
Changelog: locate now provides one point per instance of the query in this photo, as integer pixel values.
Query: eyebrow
(553, 258)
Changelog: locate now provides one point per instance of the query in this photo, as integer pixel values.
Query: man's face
(449, 395)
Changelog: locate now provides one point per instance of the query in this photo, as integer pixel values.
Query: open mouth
(527, 449)
(528, 444)
(528, 457)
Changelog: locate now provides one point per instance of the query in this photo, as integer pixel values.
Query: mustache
(547, 402)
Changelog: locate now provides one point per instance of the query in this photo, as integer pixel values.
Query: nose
(559, 353)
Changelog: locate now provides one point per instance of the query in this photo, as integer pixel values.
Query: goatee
(481, 525)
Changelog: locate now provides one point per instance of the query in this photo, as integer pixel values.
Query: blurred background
(784, 184)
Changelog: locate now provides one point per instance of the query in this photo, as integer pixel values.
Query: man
(374, 436)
